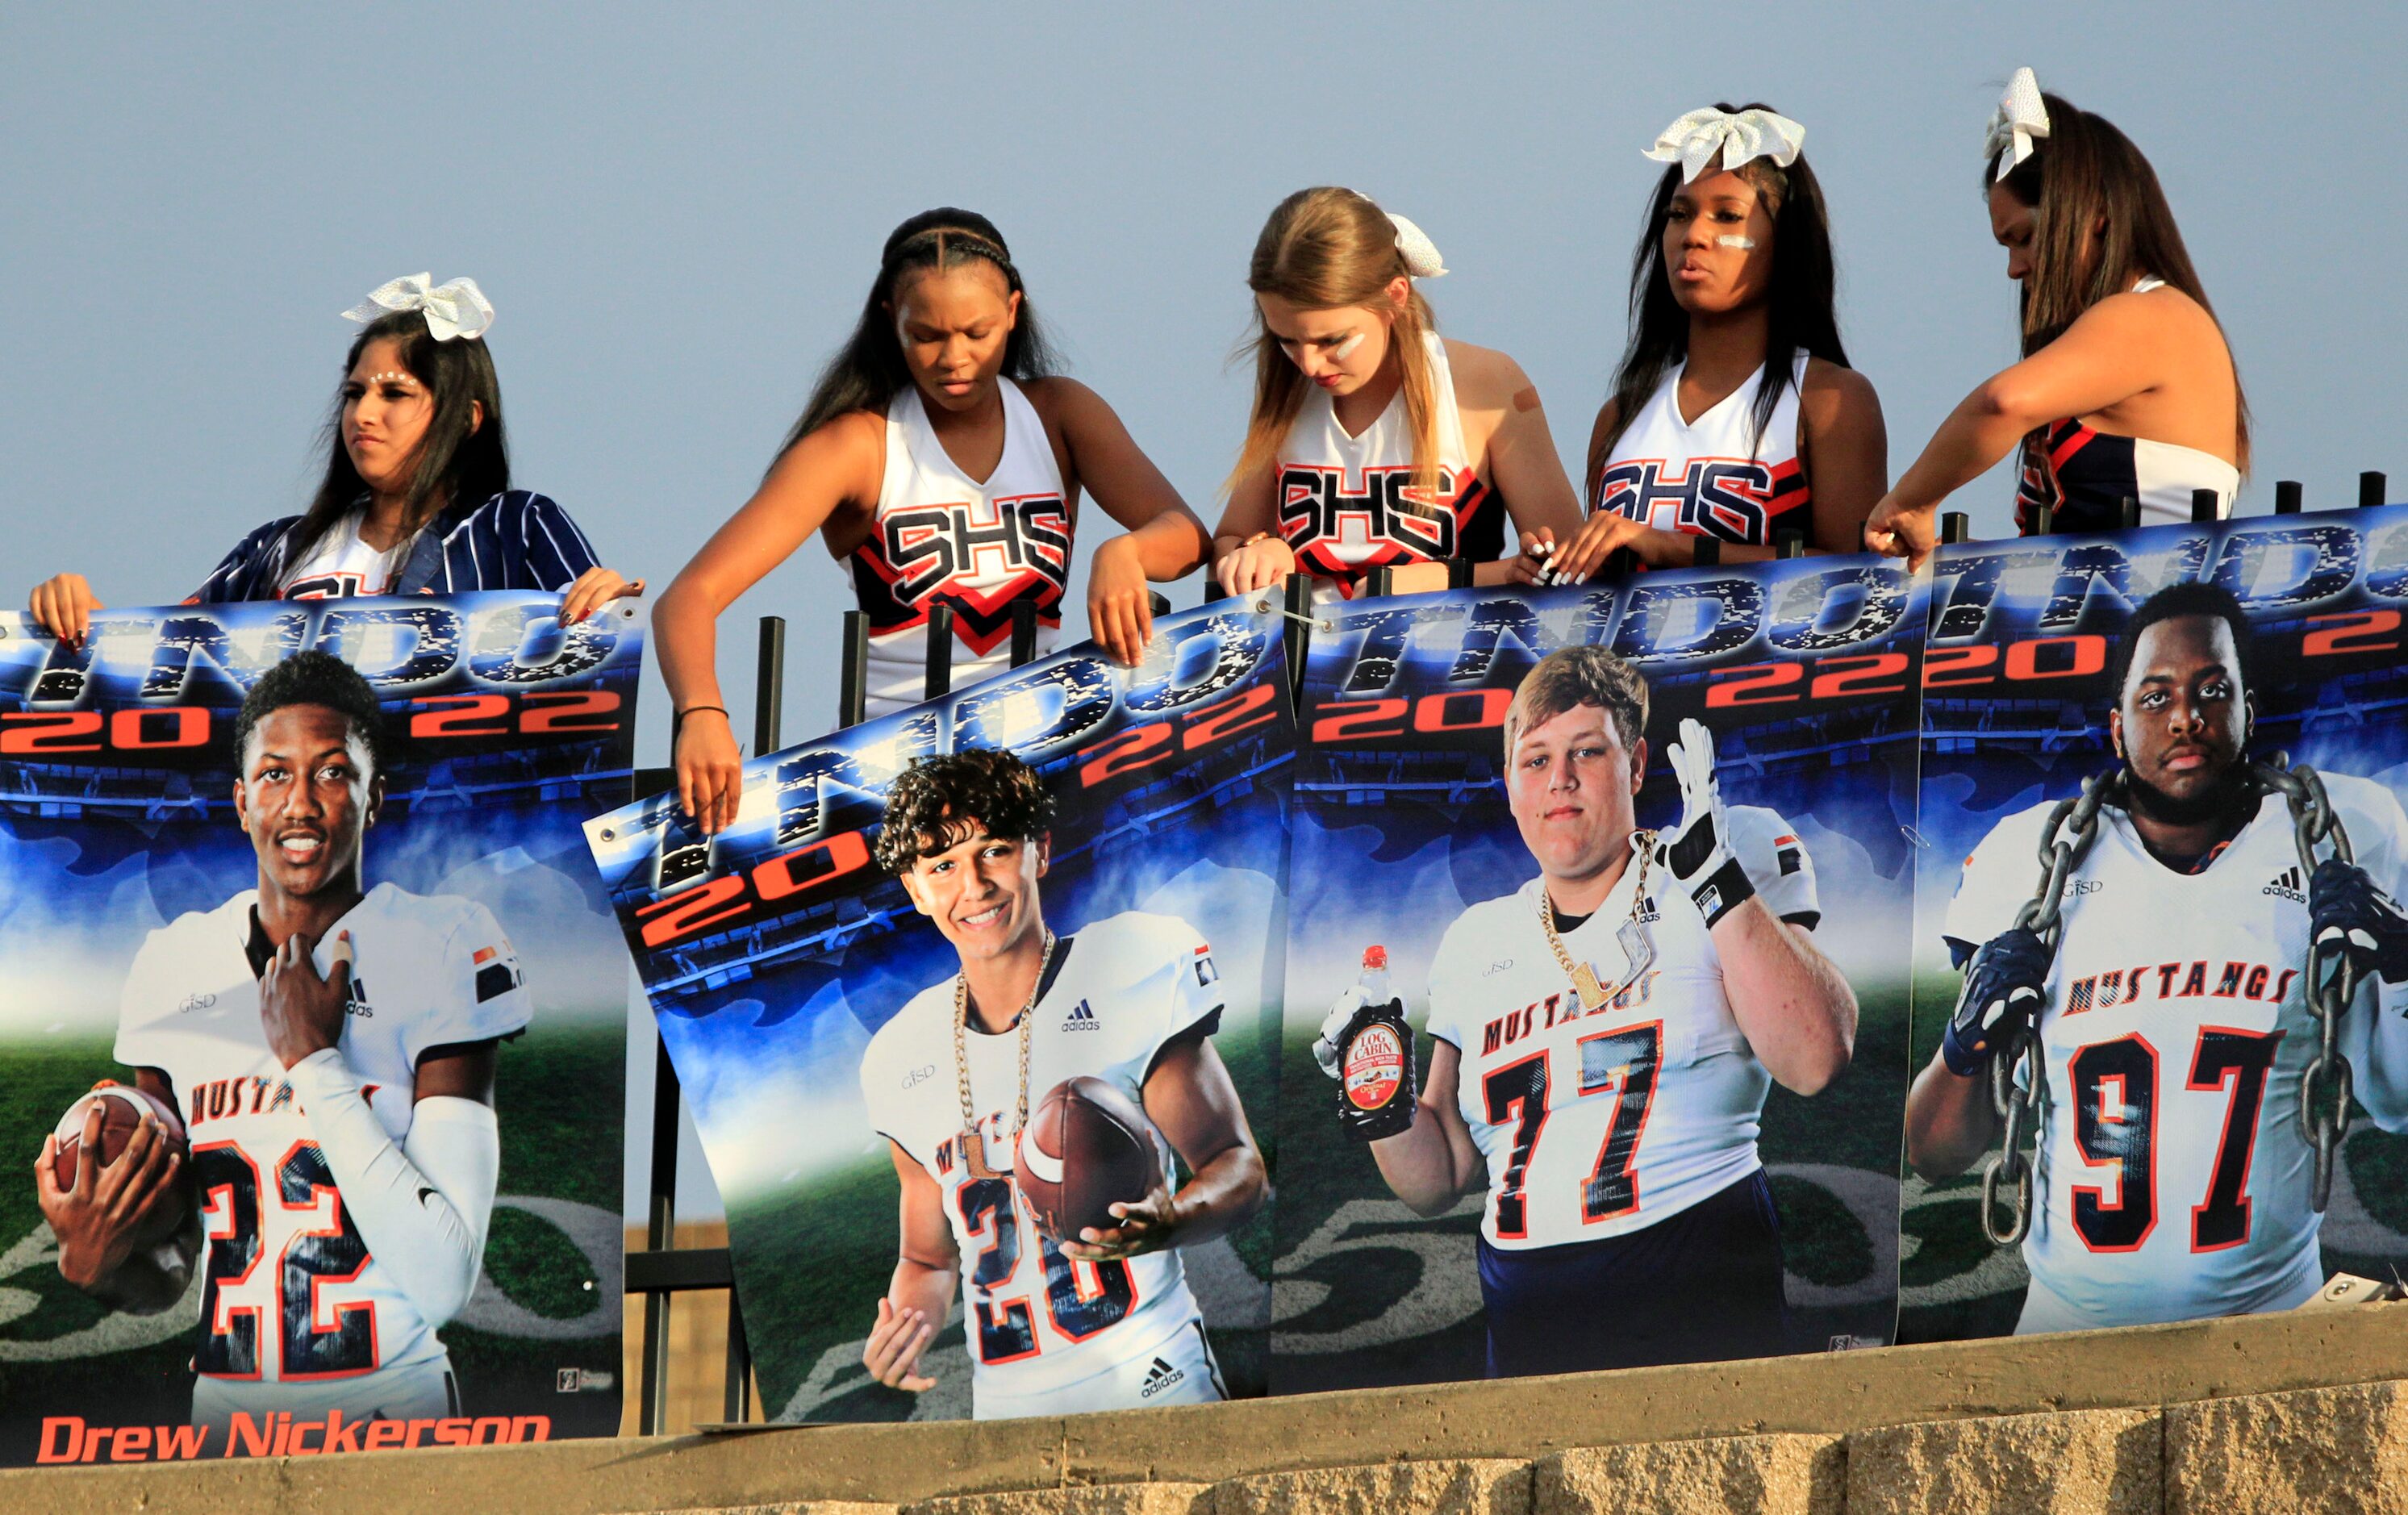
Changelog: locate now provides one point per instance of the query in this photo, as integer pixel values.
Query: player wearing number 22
(2172, 1180)
(1102, 1321)
(1605, 1038)
(330, 1049)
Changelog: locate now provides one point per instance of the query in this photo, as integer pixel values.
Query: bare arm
(835, 466)
(1847, 453)
(2118, 349)
(920, 1292)
(1165, 540)
(1433, 1163)
(1950, 1122)
(1525, 468)
(1795, 1008)
(1248, 553)
(1189, 1096)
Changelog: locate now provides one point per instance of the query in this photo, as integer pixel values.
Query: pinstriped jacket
(517, 539)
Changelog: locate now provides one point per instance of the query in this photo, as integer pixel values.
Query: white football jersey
(943, 537)
(1601, 1124)
(1039, 1324)
(1714, 476)
(291, 1295)
(2172, 1180)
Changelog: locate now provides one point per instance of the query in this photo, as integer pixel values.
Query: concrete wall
(2306, 1411)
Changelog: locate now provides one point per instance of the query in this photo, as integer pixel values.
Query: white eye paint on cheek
(1744, 244)
(1338, 353)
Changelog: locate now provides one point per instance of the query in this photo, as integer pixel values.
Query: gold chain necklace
(973, 1144)
(1593, 995)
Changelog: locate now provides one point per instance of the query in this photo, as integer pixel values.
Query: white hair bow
(1421, 255)
(1698, 138)
(2020, 117)
(458, 308)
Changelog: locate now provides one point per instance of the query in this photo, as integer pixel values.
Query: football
(122, 1109)
(1086, 1148)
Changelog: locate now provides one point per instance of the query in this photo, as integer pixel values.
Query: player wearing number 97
(1605, 1039)
(331, 1048)
(1104, 1321)
(2172, 1180)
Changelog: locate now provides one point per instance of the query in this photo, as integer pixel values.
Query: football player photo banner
(313, 1024)
(975, 1007)
(1596, 999)
(2160, 960)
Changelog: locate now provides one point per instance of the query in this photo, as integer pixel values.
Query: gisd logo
(1375, 1067)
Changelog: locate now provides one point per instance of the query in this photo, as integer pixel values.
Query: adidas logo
(1159, 1376)
(1081, 1018)
(2286, 885)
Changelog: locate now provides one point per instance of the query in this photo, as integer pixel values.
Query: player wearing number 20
(1104, 1319)
(331, 1048)
(2172, 1180)
(1605, 1039)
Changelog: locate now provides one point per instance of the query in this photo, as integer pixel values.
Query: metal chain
(1026, 1024)
(2018, 1076)
(2064, 842)
(2326, 1087)
(1642, 844)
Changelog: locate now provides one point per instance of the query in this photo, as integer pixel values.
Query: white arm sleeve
(420, 1205)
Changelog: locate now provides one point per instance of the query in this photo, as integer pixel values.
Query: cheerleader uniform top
(1714, 476)
(1347, 504)
(980, 547)
(2084, 476)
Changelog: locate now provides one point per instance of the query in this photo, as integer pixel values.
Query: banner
(2181, 676)
(331, 1263)
(1584, 1187)
(884, 1131)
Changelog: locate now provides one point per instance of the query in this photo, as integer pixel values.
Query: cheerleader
(1374, 442)
(1734, 414)
(2126, 389)
(942, 457)
(416, 496)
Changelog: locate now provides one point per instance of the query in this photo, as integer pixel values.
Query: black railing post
(770, 686)
(2286, 496)
(1619, 564)
(853, 679)
(1023, 633)
(940, 678)
(2370, 489)
(1380, 583)
(2206, 507)
(2130, 513)
(2043, 519)
(1157, 602)
(1789, 542)
(1955, 526)
(1297, 598)
(659, 1234)
(1707, 552)
(1458, 573)
(736, 1403)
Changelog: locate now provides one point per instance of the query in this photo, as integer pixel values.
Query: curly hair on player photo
(936, 802)
(315, 678)
(1571, 677)
(2177, 602)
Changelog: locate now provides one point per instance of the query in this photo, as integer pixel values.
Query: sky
(677, 215)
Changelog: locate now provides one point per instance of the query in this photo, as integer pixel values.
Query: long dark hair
(1801, 306)
(459, 458)
(2086, 172)
(868, 370)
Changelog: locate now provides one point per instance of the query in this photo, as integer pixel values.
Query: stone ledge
(1524, 1420)
(2319, 1449)
(1775, 1475)
(1481, 1486)
(1083, 1499)
(2109, 1461)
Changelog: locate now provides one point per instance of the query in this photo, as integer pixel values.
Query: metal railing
(662, 1270)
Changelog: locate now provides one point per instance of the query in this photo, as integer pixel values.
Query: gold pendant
(974, 1154)
(1592, 993)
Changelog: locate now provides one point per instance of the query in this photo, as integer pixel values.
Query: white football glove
(1333, 1026)
(1698, 851)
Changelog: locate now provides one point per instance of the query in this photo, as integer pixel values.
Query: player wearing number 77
(330, 1049)
(2172, 1181)
(1605, 1039)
